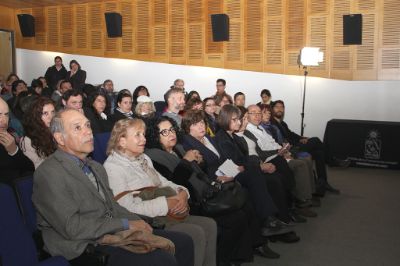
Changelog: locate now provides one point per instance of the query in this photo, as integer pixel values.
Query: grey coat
(71, 212)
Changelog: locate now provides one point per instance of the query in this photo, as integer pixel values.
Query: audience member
(265, 97)
(124, 109)
(17, 87)
(194, 104)
(75, 205)
(73, 99)
(108, 90)
(56, 73)
(239, 99)
(191, 95)
(6, 92)
(175, 100)
(98, 113)
(38, 144)
(145, 107)
(76, 75)
(130, 171)
(139, 91)
(36, 87)
(46, 91)
(62, 88)
(13, 163)
(210, 110)
(313, 145)
(180, 84)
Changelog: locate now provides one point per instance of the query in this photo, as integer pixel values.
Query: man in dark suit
(13, 163)
(313, 145)
(75, 204)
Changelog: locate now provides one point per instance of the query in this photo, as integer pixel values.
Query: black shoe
(303, 203)
(331, 189)
(316, 202)
(306, 212)
(274, 226)
(285, 238)
(266, 252)
(340, 163)
(296, 218)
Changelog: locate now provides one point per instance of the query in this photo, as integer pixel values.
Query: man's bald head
(254, 114)
(4, 115)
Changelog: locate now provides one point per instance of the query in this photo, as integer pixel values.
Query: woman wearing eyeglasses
(38, 143)
(131, 171)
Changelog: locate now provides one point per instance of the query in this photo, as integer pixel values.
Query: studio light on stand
(309, 56)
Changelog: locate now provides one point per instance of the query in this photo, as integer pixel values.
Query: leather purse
(213, 197)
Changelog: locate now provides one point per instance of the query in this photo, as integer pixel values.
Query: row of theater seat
(20, 241)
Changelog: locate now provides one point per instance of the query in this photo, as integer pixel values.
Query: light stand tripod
(304, 100)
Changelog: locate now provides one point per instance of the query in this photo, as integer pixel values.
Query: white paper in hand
(228, 168)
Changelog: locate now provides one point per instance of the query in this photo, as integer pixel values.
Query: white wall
(325, 98)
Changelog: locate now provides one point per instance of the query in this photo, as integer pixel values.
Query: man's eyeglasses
(257, 114)
(166, 132)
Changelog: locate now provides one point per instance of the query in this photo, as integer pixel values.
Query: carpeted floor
(359, 227)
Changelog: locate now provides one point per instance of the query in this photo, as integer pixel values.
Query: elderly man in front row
(75, 204)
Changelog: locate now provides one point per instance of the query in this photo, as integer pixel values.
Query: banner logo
(373, 145)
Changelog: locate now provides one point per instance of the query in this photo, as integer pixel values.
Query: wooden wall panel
(7, 18)
(265, 35)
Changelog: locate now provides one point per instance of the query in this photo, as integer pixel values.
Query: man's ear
(58, 136)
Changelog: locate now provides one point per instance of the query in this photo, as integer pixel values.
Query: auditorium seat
(100, 142)
(16, 244)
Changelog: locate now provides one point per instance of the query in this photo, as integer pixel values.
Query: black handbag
(213, 197)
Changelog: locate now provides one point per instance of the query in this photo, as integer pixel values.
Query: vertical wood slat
(234, 48)
(177, 32)
(195, 32)
(253, 35)
(160, 31)
(81, 26)
(142, 28)
(389, 44)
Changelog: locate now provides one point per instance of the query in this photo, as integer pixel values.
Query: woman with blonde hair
(131, 174)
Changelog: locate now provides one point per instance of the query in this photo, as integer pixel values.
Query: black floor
(359, 227)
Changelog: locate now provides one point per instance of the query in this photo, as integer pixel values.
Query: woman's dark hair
(190, 95)
(153, 132)
(243, 111)
(12, 75)
(57, 57)
(15, 85)
(192, 102)
(76, 62)
(135, 94)
(37, 131)
(266, 92)
(121, 95)
(264, 106)
(92, 98)
(192, 117)
(34, 84)
(225, 116)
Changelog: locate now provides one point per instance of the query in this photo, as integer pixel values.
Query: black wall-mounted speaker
(26, 25)
(220, 27)
(352, 29)
(114, 24)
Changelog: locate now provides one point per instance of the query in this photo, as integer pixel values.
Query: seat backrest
(24, 188)
(16, 243)
(100, 146)
(160, 107)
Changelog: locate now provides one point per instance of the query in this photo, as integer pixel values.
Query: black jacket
(53, 75)
(78, 79)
